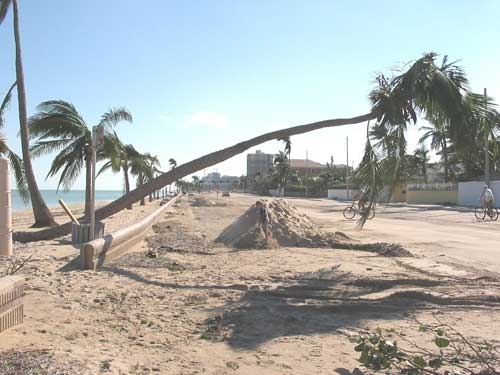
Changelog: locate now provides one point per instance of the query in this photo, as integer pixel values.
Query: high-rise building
(259, 163)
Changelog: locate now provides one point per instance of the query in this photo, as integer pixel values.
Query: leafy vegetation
(450, 351)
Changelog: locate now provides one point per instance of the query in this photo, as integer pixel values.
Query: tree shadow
(315, 306)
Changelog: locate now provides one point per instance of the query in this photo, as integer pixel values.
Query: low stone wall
(95, 254)
(342, 194)
(11, 302)
(431, 197)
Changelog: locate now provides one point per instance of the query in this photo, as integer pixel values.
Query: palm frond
(107, 166)
(114, 116)
(4, 7)
(369, 176)
(47, 147)
(5, 103)
(21, 183)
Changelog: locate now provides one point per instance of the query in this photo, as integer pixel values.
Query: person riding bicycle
(361, 198)
(487, 198)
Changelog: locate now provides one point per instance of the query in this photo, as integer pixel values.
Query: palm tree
(43, 216)
(59, 126)
(422, 156)
(196, 183)
(16, 162)
(435, 91)
(145, 167)
(173, 163)
(119, 156)
(424, 87)
(280, 169)
(438, 136)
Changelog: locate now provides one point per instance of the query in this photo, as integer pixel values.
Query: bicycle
(481, 212)
(351, 211)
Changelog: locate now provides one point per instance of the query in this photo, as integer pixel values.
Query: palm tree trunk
(445, 157)
(143, 201)
(127, 184)
(43, 216)
(189, 168)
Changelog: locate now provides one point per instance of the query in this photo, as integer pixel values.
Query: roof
(303, 163)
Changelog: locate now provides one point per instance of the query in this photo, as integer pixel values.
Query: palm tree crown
(59, 127)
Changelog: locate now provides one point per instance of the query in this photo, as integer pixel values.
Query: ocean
(51, 197)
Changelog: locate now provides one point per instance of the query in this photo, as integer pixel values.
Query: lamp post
(5, 209)
(97, 144)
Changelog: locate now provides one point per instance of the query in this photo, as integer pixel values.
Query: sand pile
(204, 202)
(291, 228)
(288, 226)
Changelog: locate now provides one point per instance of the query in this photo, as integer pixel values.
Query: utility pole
(486, 146)
(347, 167)
(307, 173)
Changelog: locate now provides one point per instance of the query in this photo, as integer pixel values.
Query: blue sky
(202, 75)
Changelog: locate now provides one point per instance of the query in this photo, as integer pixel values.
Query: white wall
(469, 192)
(341, 195)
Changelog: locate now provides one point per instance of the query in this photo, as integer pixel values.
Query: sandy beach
(204, 307)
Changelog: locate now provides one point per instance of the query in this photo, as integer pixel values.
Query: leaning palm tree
(59, 127)
(42, 215)
(15, 161)
(120, 156)
(424, 87)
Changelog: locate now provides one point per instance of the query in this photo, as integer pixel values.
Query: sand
(196, 306)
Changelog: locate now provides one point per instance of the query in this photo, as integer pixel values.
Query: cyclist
(487, 198)
(360, 198)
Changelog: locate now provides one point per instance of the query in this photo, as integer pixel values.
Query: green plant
(451, 352)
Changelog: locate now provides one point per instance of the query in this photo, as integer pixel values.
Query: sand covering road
(291, 228)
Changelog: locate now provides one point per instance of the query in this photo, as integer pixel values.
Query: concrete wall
(341, 194)
(469, 192)
(95, 254)
(431, 197)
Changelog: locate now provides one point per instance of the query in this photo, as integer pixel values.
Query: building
(217, 182)
(305, 167)
(259, 164)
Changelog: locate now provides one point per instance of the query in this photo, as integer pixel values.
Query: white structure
(342, 194)
(5, 209)
(469, 193)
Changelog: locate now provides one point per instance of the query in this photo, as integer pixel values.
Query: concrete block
(11, 302)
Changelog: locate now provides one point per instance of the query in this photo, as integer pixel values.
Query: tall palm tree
(120, 156)
(424, 87)
(59, 127)
(422, 155)
(438, 136)
(42, 215)
(16, 162)
(280, 169)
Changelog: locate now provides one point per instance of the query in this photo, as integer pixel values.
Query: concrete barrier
(11, 302)
(95, 254)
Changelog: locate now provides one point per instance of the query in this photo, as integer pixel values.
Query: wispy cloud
(208, 119)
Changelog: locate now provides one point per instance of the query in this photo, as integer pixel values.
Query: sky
(202, 75)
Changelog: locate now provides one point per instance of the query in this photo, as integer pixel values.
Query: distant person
(487, 198)
(263, 218)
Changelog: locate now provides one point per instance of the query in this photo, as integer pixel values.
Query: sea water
(51, 197)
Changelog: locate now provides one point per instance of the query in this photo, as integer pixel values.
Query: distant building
(305, 167)
(259, 163)
(215, 181)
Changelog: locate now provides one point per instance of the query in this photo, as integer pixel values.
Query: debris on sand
(204, 202)
(291, 228)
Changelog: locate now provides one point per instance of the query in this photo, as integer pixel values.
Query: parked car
(225, 194)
